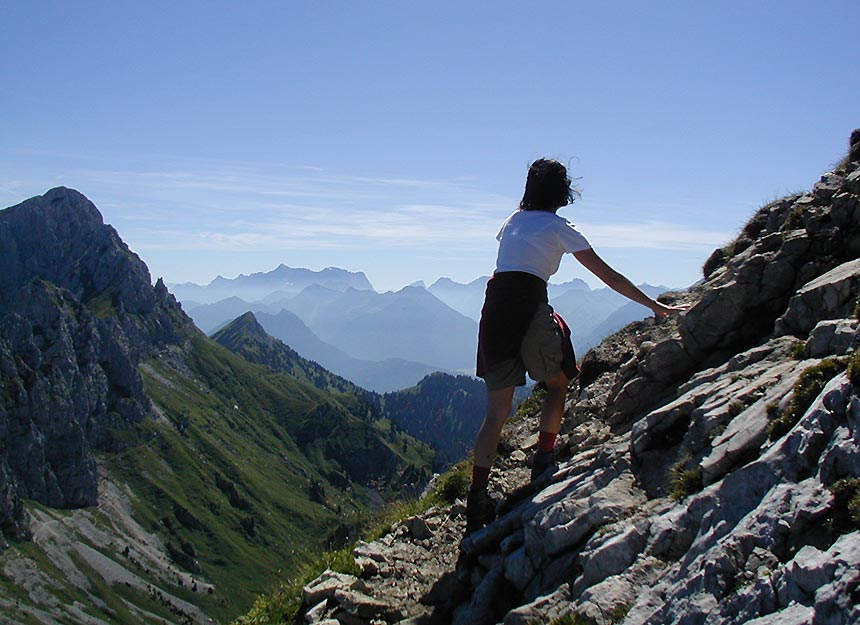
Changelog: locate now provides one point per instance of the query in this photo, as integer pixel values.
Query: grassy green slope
(442, 410)
(250, 472)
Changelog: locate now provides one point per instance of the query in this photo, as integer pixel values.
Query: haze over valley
(386, 341)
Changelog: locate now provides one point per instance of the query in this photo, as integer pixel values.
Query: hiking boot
(480, 510)
(542, 461)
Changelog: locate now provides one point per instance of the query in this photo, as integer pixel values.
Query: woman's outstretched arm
(617, 282)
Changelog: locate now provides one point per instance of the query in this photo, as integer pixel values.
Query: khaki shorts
(540, 354)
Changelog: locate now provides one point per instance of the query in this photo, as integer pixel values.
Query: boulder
(326, 585)
(832, 295)
(832, 337)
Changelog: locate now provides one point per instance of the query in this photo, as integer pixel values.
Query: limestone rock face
(702, 465)
(77, 313)
(830, 296)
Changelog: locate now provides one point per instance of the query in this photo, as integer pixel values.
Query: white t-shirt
(535, 241)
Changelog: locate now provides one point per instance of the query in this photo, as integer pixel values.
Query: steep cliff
(77, 314)
(708, 470)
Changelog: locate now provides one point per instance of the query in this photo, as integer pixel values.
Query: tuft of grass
(797, 349)
(616, 615)
(846, 495)
(853, 368)
(685, 482)
(103, 305)
(795, 219)
(454, 484)
(811, 382)
(853, 153)
(736, 407)
(620, 612)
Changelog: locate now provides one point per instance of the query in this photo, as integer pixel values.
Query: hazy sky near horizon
(393, 138)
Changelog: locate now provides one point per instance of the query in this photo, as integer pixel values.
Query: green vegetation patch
(103, 305)
(282, 602)
(685, 482)
(846, 504)
(248, 474)
(796, 219)
(797, 350)
(615, 615)
(221, 479)
(853, 368)
(810, 384)
(454, 484)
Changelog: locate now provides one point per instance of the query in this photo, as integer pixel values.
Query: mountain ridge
(383, 376)
(283, 278)
(409, 325)
(441, 410)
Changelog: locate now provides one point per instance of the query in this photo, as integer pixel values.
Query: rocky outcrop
(77, 313)
(702, 466)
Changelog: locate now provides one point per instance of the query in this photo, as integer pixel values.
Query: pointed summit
(244, 327)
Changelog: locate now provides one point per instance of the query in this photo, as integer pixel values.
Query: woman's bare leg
(553, 404)
(498, 409)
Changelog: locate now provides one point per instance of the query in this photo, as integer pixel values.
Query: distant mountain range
(388, 341)
(380, 341)
(282, 281)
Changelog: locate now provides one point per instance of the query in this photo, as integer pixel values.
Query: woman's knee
(557, 383)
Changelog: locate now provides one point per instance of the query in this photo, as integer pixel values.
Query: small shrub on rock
(685, 482)
(619, 613)
(853, 368)
(453, 485)
(795, 219)
(807, 388)
(797, 350)
(846, 504)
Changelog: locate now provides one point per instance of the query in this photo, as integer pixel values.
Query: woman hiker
(519, 332)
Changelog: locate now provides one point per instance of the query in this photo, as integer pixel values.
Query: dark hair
(547, 187)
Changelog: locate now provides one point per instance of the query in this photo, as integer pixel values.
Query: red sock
(546, 441)
(480, 476)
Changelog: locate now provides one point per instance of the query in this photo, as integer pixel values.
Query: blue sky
(393, 137)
